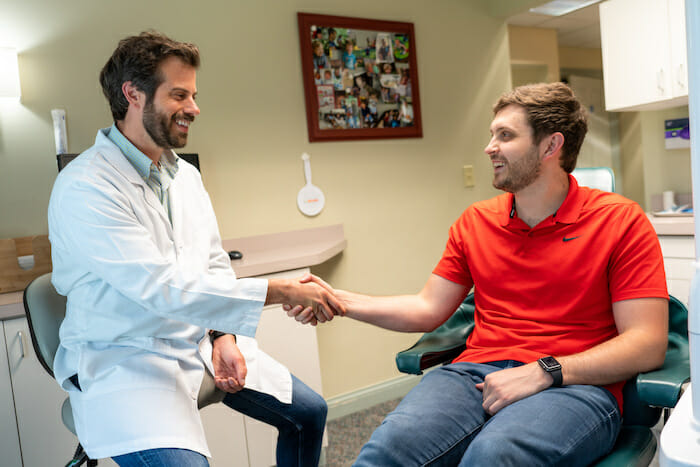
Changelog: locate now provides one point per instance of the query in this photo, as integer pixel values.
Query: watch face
(550, 363)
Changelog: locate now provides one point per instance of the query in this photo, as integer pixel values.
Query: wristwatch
(553, 367)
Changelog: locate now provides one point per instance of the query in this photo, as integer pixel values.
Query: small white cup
(669, 200)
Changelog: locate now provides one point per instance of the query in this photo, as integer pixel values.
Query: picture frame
(360, 78)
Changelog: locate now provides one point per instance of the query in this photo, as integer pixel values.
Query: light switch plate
(468, 175)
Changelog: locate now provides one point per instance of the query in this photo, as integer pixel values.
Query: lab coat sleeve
(93, 221)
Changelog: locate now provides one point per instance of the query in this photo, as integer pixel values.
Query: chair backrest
(45, 309)
(601, 178)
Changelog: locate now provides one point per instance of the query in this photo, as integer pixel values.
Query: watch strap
(213, 335)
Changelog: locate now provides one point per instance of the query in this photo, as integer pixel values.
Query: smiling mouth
(183, 123)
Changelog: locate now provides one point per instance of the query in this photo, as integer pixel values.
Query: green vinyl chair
(645, 397)
(45, 309)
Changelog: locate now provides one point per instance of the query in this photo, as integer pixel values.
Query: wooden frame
(360, 78)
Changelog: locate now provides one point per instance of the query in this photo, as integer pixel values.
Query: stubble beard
(160, 128)
(521, 173)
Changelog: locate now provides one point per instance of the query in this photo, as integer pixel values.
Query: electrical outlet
(468, 175)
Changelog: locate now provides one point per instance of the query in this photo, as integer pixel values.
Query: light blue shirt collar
(141, 162)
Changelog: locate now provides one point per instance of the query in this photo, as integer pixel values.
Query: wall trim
(364, 398)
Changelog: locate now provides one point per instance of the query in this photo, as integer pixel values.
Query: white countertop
(673, 225)
(262, 254)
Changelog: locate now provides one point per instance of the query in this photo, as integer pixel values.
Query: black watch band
(214, 335)
(553, 367)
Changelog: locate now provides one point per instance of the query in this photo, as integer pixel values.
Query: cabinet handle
(660, 80)
(20, 336)
(681, 81)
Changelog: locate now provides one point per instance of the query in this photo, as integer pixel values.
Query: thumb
(306, 278)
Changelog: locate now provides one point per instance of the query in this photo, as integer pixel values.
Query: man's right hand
(316, 302)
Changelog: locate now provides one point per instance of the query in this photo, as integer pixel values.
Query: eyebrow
(499, 128)
(177, 89)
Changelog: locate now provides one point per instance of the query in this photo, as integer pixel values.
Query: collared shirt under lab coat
(141, 293)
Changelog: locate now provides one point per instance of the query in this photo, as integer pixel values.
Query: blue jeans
(162, 457)
(441, 422)
(300, 426)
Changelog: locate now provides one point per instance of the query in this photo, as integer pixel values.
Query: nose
(192, 107)
(490, 147)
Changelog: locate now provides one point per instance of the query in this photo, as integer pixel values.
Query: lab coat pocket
(141, 371)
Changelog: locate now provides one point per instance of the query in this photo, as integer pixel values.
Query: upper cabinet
(644, 54)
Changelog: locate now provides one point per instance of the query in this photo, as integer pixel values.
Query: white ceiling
(578, 29)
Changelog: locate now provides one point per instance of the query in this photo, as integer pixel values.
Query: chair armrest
(441, 345)
(662, 387)
(430, 350)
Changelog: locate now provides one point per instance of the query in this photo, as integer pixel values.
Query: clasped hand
(502, 388)
(320, 304)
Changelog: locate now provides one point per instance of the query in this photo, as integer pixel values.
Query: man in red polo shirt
(570, 297)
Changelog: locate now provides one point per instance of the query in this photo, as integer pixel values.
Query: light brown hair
(551, 108)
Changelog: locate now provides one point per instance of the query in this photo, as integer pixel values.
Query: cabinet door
(9, 440)
(679, 48)
(226, 436)
(38, 400)
(635, 47)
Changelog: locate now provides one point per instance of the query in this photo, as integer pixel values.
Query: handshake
(308, 299)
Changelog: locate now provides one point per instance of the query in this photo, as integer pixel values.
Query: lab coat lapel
(176, 206)
(124, 167)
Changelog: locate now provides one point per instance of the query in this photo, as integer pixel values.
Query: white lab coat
(141, 294)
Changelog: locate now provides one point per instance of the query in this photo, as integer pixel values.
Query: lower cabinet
(35, 401)
(32, 432)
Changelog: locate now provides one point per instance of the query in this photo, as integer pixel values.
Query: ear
(552, 145)
(133, 95)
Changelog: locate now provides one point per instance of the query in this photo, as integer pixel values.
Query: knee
(309, 413)
(487, 449)
(317, 411)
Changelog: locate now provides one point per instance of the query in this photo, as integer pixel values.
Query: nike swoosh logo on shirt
(570, 238)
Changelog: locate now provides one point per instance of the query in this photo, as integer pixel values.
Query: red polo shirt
(549, 290)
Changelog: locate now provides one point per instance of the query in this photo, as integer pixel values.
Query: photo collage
(362, 78)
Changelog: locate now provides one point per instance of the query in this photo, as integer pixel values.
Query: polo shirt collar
(568, 212)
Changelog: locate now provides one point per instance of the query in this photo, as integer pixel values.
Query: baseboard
(346, 404)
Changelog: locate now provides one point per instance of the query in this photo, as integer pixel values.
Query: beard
(162, 129)
(521, 173)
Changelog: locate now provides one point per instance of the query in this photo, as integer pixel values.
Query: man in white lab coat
(137, 252)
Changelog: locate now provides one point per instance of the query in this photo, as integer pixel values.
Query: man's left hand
(230, 368)
(502, 388)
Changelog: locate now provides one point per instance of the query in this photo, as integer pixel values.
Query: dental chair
(45, 310)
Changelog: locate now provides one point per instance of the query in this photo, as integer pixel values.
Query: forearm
(615, 360)
(405, 313)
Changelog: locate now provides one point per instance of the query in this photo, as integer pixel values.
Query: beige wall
(580, 57)
(396, 198)
(632, 156)
(649, 168)
(535, 46)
